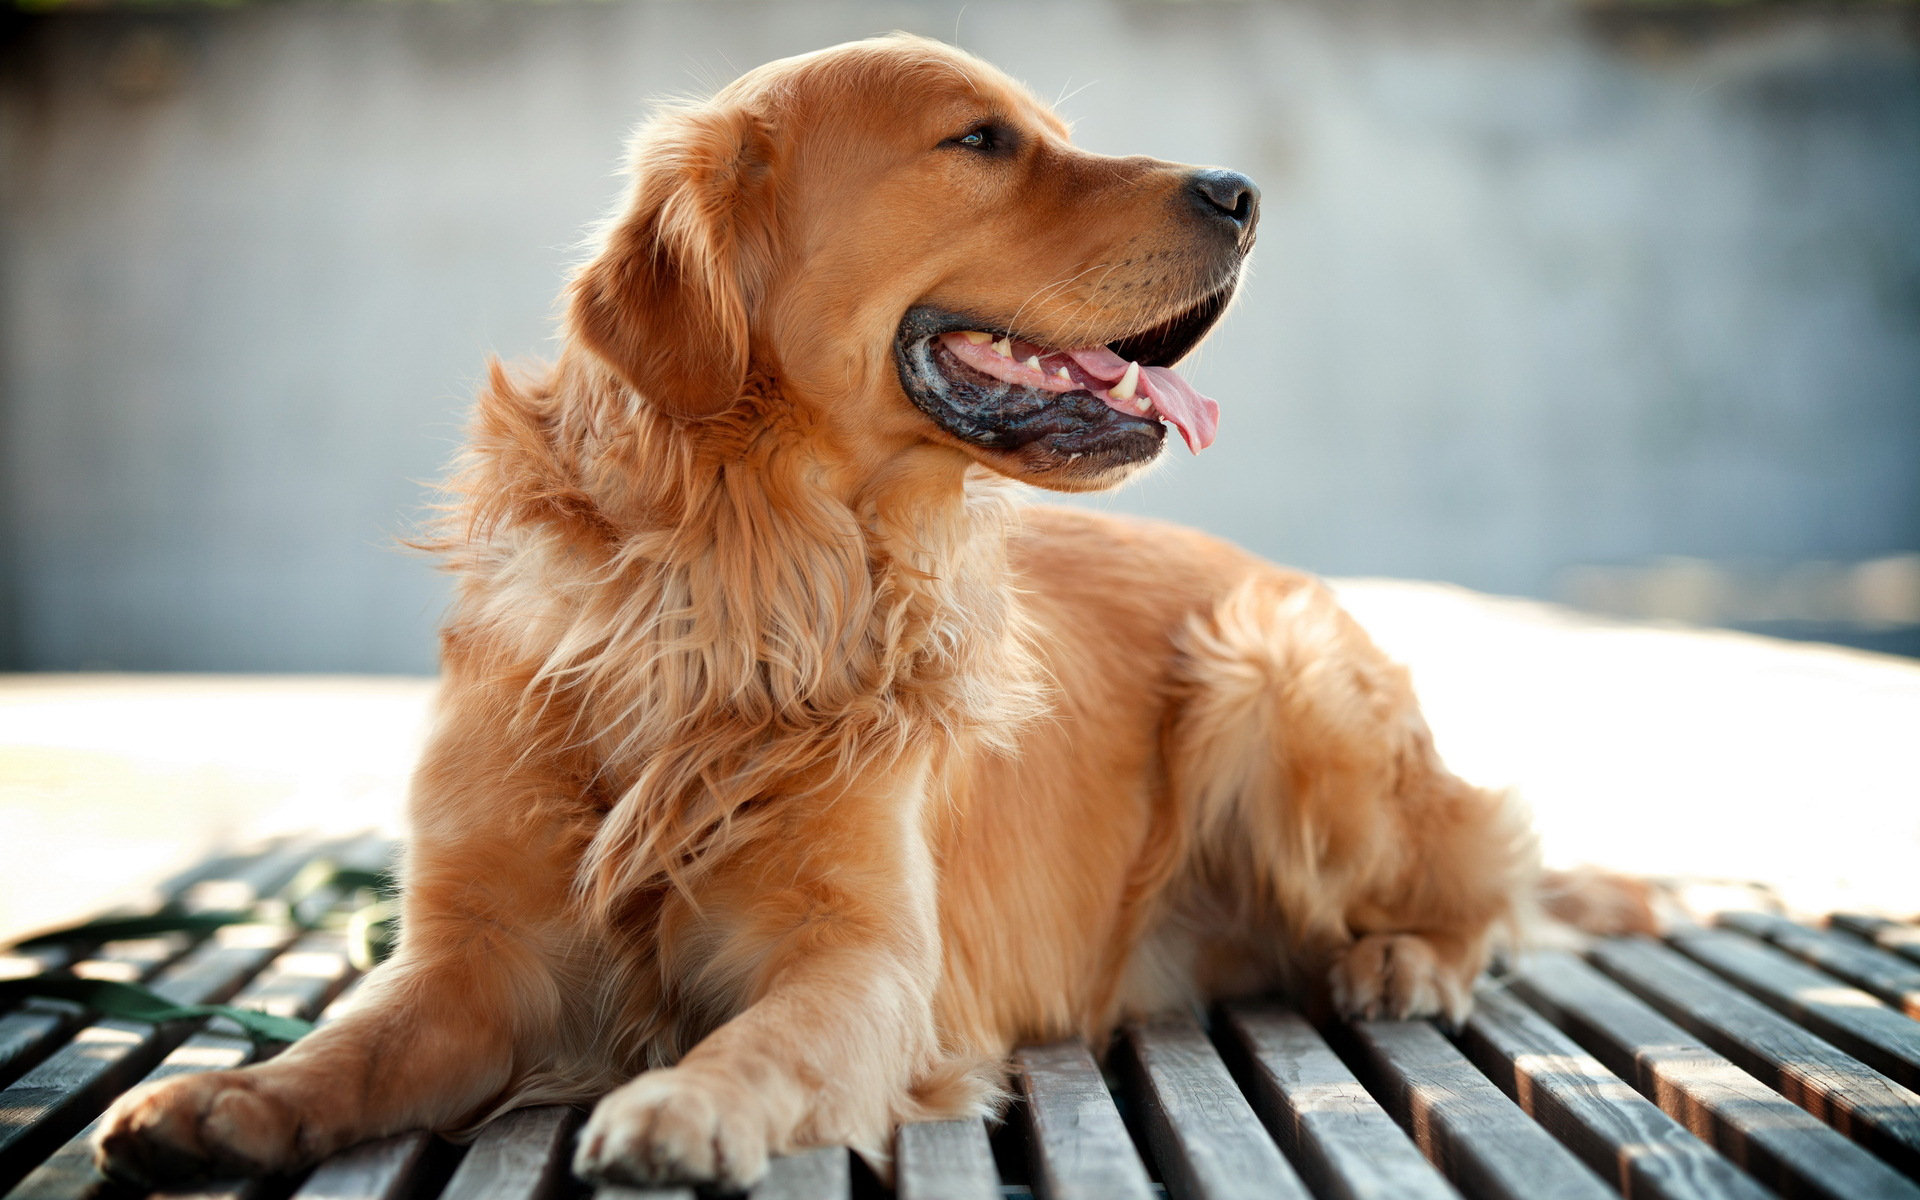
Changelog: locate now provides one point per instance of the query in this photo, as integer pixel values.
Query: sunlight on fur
(787, 774)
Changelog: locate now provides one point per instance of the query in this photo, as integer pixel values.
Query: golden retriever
(787, 773)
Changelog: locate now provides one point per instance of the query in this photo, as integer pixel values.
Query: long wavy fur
(730, 625)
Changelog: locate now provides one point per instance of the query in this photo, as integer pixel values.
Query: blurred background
(1608, 303)
(1614, 304)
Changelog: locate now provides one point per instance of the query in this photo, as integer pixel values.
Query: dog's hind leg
(1313, 784)
(434, 1035)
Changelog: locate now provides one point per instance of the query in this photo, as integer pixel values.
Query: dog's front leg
(436, 1034)
(826, 932)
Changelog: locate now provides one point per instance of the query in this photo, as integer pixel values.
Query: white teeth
(1062, 373)
(976, 337)
(1128, 384)
(1003, 348)
(1144, 404)
(1034, 362)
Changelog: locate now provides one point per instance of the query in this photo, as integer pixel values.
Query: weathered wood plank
(262, 870)
(69, 1173)
(176, 893)
(250, 879)
(37, 960)
(299, 983)
(1887, 976)
(1478, 1137)
(824, 1174)
(523, 1155)
(1826, 1081)
(1614, 1129)
(1895, 937)
(51, 1102)
(1848, 1017)
(1740, 1101)
(390, 1168)
(313, 891)
(1344, 1143)
(30, 1032)
(1204, 1136)
(945, 1160)
(253, 1189)
(1080, 1146)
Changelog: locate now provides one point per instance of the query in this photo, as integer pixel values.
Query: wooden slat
(1851, 1019)
(263, 869)
(1893, 979)
(1344, 1143)
(1614, 1129)
(48, 1104)
(1823, 1078)
(254, 1189)
(523, 1155)
(1463, 1123)
(1736, 1106)
(250, 879)
(32, 1031)
(945, 1160)
(390, 1168)
(299, 983)
(37, 960)
(1895, 937)
(824, 1174)
(177, 893)
(1204, 1136)
(1080, 1146)
(309, 899)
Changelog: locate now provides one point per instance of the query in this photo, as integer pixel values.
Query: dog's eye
(984, 138)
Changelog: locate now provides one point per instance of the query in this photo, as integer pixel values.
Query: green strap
(133, 1003)
(318, 876)
(114, 929)
(371, 931)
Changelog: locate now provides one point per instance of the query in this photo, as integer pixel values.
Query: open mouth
(988, 385)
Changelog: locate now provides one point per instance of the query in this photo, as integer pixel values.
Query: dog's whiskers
(1046, 292)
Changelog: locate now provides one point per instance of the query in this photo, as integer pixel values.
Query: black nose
(1226, 196)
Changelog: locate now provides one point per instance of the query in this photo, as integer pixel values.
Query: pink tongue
(1099, 362)
(1196, 417)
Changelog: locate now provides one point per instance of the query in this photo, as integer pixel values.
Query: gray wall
(1528, 296)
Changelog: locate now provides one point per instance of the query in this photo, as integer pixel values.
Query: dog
(788, 771)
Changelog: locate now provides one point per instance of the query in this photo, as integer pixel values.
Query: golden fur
(787, 773)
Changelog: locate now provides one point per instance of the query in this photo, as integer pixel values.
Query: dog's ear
(665, 302)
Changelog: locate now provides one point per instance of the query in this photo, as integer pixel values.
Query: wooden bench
(1756, 1058)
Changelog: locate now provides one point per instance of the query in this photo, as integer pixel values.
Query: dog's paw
(1399, 975)
(669, 1126)
(195, 1127)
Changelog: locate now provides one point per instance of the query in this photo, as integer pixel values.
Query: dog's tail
(1590, 902)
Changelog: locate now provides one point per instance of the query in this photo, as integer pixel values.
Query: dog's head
(905, 243)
